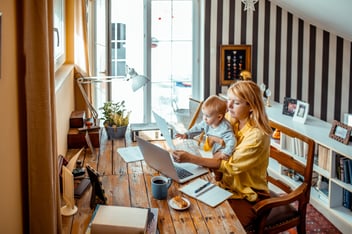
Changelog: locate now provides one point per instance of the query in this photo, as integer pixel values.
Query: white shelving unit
(329, 205)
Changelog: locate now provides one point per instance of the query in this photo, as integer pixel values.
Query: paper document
(206, 192)
(130, 154)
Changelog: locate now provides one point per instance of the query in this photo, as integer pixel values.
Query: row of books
(343, 169)
(294, 145)
(347, 199)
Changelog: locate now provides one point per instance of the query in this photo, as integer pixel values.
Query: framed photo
(289, 106)
(233, 60)
(301, 112)
(340, 132)
(348, 119)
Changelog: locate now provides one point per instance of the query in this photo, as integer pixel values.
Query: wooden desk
(129, 185)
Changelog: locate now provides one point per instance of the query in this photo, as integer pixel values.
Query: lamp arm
(86, 99)
(137, 82)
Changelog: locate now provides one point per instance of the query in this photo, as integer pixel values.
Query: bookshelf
(328, 192)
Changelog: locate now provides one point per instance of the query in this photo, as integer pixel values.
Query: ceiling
(334, 16)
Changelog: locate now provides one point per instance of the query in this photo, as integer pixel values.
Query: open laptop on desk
(161, 160)
(188, 145)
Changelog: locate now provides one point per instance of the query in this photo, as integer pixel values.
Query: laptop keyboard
(182, 173)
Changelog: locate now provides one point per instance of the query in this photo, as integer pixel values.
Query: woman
(244, 173)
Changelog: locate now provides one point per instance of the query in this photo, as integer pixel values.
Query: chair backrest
(297, 169)
(195, 107)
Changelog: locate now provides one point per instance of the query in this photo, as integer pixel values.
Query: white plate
(176, 207)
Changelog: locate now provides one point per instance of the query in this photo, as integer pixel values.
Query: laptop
(161, 160)
(188, 145)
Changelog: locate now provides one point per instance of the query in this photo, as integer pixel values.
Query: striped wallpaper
(292, 57)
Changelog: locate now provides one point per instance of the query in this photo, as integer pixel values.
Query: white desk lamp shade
(138, 82)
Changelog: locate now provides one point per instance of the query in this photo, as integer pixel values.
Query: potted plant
(116, 119)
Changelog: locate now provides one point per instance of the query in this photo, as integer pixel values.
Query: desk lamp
(138, 81)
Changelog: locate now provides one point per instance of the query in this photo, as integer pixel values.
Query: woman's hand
(221, 155)
(181, 156)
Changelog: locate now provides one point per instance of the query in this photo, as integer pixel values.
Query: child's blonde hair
(215, 104)
(250, 92)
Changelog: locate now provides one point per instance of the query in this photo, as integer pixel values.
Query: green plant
(115, 114)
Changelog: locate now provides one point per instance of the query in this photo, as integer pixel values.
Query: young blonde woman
(244, 173)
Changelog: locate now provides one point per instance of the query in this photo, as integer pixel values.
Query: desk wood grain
(128, 184)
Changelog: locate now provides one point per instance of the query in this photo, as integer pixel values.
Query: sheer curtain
(36, 74)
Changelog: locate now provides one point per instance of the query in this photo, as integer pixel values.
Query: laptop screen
(164, 129)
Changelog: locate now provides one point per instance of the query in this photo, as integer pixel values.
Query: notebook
(186, 145)
(161, 160)
(206, 192)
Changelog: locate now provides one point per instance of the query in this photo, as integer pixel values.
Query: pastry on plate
(180, 202)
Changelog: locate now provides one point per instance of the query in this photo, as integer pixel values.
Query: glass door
(122, 41)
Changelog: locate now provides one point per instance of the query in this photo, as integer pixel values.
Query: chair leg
(301, 227)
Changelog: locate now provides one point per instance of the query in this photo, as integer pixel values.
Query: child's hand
(182, 136)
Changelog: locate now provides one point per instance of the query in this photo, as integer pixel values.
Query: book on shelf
(343, 167)
(337, 166)
(350, 169)
(342, 173)
(346, 170)
(206, 192)
(346, 199)
(324, 157)
(283, 141)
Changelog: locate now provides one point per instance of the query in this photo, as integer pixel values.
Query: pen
(201, 187)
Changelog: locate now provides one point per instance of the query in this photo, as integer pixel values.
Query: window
(59, 33)
(123, 28)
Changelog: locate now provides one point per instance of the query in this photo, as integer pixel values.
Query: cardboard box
(119, 219)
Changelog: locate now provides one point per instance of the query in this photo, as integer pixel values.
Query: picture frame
(233, 60)
(301, 112)
(340, 132)
(289, 106)
(348, 119)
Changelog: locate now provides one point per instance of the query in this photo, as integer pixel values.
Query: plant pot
(116, 132)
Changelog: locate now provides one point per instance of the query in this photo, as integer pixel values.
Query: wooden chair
(195, 107)
(277, 213)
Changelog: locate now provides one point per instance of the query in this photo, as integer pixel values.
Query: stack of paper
(130, 154)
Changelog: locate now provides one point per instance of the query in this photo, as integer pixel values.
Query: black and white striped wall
(291, 56)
